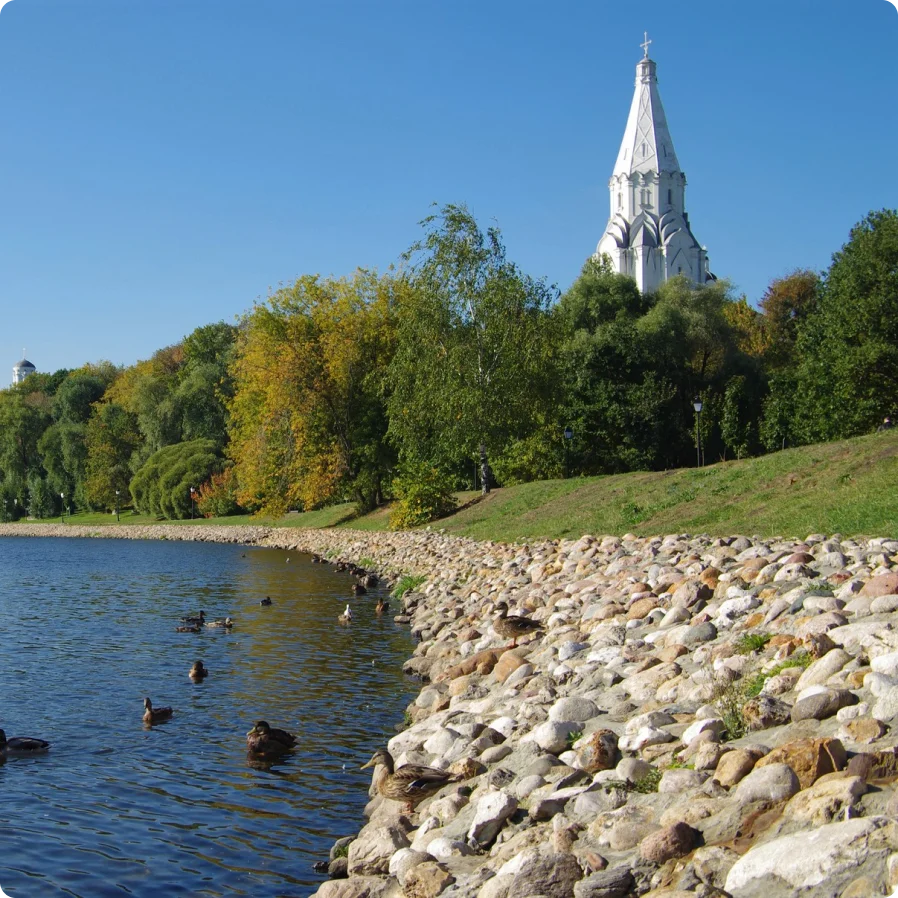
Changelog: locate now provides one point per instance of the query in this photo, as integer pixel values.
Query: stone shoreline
(701, 717)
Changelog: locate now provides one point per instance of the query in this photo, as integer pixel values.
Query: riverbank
(700, 717)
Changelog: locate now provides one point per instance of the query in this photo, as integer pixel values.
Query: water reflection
(114, 809)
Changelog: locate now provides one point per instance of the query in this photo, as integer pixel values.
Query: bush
(423, 494)
(218, 496)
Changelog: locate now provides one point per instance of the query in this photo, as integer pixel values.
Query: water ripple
(116, 809)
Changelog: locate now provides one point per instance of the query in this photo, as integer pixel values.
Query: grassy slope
(847, 487)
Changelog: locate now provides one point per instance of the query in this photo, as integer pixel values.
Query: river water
(87, 629)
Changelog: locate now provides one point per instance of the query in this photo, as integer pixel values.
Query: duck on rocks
(22, 745)
(153, 715)
(514, 627)
(199, 671)
(411, 783)
(264, 739)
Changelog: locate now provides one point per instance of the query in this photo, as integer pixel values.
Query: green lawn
(847, 487)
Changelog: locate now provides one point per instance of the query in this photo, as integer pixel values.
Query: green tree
(848, 349)
(168, 482)
(111, 438)
(308, 420)
(474, 362)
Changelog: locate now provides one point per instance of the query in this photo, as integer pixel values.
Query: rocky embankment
(701, 717)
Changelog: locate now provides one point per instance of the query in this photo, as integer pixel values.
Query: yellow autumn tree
(308, 421)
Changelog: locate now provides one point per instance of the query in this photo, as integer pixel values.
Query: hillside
(846, 487)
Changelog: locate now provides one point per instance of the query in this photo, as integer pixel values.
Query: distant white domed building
(22, 369)
(648, 236)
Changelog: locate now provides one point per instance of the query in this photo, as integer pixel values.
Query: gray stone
(573, 708)
(775, 782)
(549, 875)
(614, 883)
(698, 634)
(492, 812)
(819, 862)
(680, 780)
(370, 852)
(822, 704)
(823, 668)
(569, 649)
(552, 736)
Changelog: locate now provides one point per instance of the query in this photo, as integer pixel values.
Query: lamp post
(62, 507)
(192, 503)
(568, 436)
(117, 518)
(697, 405)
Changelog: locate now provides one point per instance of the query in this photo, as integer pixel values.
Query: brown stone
(599, 751)
(875, 765)
(818, 644)
(753, 620)
(427, 880)
(668, 843)
(469, 665)
(507, 665)
(799, 558)
(865, 729)
(765, 711)
(809, 758)
(467, 768)
(736, 765)
(460, 685)
(883, 585)
(641, 607)
(634, 588)
(709, 576)
(670, 653)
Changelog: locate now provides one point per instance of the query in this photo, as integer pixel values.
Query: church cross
(645, 46)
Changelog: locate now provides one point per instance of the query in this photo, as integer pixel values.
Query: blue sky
(164, 163)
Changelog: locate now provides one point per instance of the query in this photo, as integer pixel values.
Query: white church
(648, 235)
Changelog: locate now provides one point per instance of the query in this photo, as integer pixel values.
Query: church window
(643, 149)
(669, 196)
(620, 201)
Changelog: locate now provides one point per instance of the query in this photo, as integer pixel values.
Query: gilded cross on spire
(645, 46)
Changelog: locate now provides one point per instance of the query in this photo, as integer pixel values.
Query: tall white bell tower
(648, 235)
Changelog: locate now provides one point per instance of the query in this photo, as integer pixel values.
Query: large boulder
(370, 852)
(819, 862)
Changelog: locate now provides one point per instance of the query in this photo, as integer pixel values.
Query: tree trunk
(486, 472)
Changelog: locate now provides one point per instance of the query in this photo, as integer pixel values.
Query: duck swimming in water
(200, 620)
(22, 745)
(381, 606)
(263, 739)
(153, 715)
(266, 601)
(346, 616)
(198, 671)
(188, 628)
(225, 622)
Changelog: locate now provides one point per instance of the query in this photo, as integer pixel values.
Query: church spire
(648, 235)
(647, 145)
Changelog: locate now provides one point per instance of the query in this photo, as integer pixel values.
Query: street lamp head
(568, 433)
(697, 404)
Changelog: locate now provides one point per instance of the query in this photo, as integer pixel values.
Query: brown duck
(263, 739)
(198, 671)
(514, 628)
(153, 715)
(411, 783)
